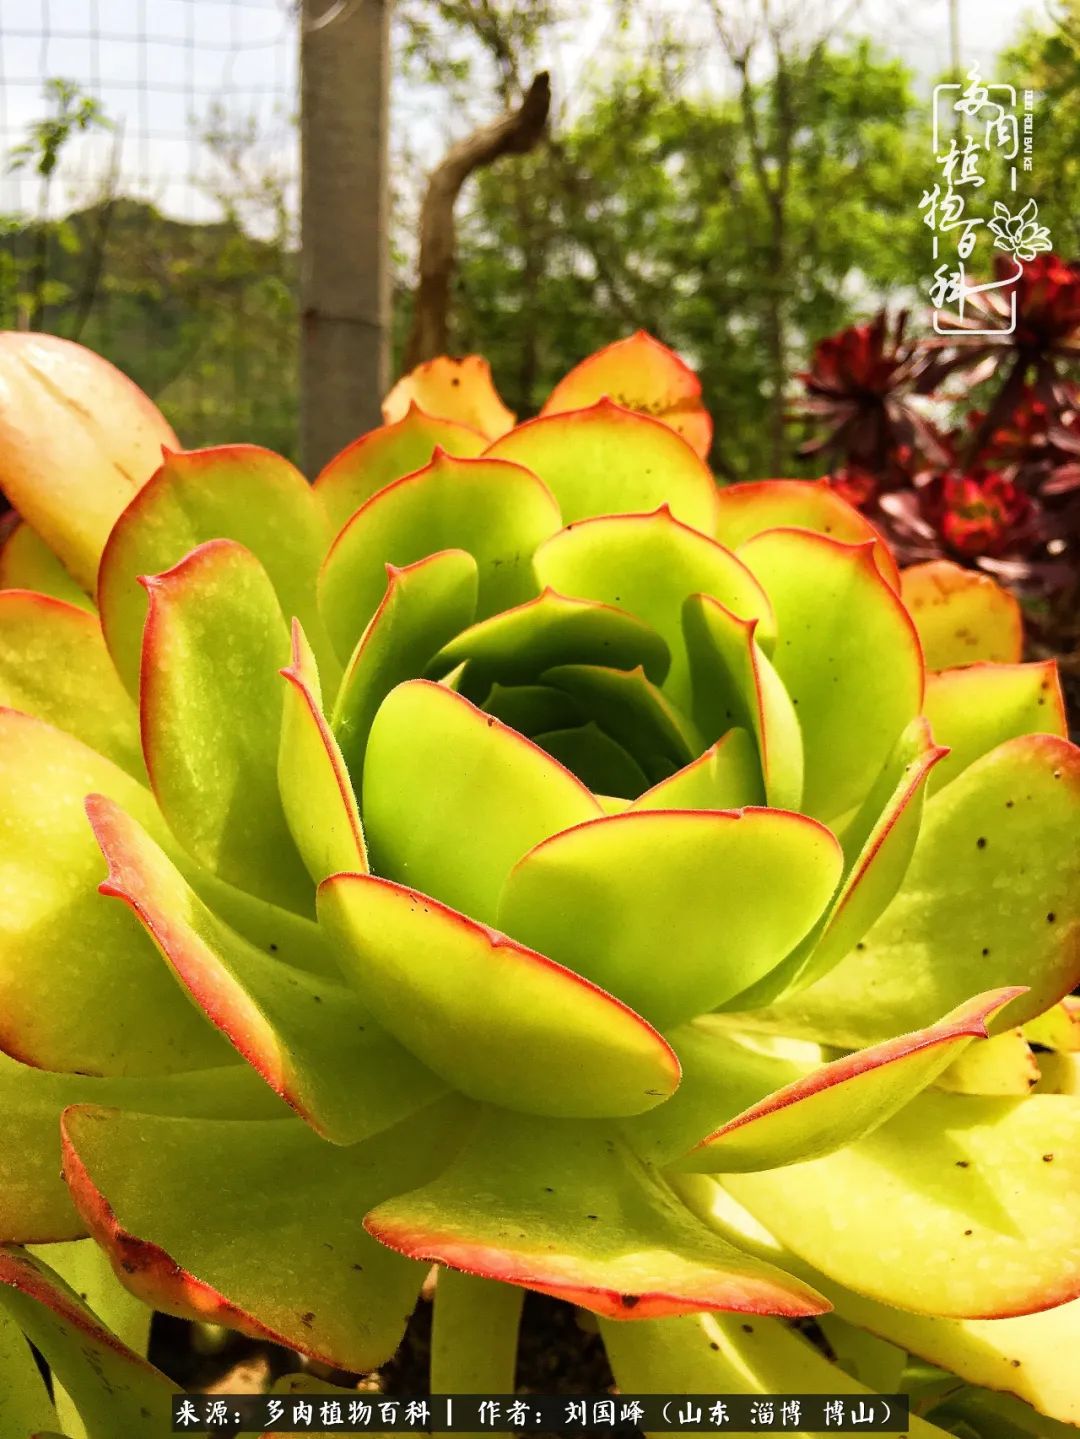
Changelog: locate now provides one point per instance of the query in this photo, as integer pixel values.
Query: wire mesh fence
(148, 198)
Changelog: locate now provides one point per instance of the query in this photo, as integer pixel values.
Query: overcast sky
(157, 64)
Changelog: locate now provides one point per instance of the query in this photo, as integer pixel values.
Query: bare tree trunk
(513, 133)
(345, 223)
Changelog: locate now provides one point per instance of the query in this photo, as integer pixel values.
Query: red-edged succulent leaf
(840, 1102)
(641, 374)
(35, 1207)
(648, 564)
(54, 664)
(567, 1209)
(271, 1188)
(991, 896)
(726, 776)
(378, 458)
(962, 615)
(606, 460)
(451, 388)
(748, 509)
(310, 1038)
(211, 703)
(77, 441)
(316, 792)
(27, 563)
(235, 492)
(487, 1014)
(113, 1390)
(497, 512)
(715, 1354)
(973, 709)
(734, 683)
(110, 1007)
(982, 1190)
(424, 606)
(847, 654)
(453, 798)
(519, 644)
(673, 911)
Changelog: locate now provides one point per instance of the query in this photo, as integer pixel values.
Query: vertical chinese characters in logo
(990, 142)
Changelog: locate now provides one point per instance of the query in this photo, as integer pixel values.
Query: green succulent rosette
(516, 853)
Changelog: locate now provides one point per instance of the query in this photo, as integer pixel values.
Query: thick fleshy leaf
(271, 1188)
(1003, 1065)
(971, 710)
(235, 492)
(839, 1102)
(609, 461)
(311, 1039)
(496, 512)
(378, 458)
(962, 615)
(734, 683)
(597, 760)
(451, 388)
(991, 897)
(316, 792)
(211, 706)
(982, 1190)
(1058, 1028)
(673, 911)
(847, 654)
(54, 664)
(634, 712)
(878, 844)
(453, 798)
(641, 374)
(109, 1007)
(519, 644)
(487, 1014)
(564, 1207)
(648, 564)
(425, 604)
(748, 509)
(114, 1391)
(27, 563)
(77, 441)
(87, 1270)
(533, 709)
(25, 1406)
(35, 1207)
(714, 1354)
(726, 776)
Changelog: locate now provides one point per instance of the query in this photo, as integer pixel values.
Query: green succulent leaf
(211, 706)
(488, 1014)
(605, 460)
(973, 710)
(424, 606)
(384, 455)
(648, 564)
(734, 683)
(233, 492)
(725, 776)
(634, 712)
(113, 1389)
(517, 645)
(990, 898)
(728, 894)
(35, 1207)
(25, 1406)
(54, 664)
(533, 709)
(316, 792)
(962, 616)
(110, 1007)
(602, 764)
(271, 1188)
(847, 654)
(311, 1039)
(27, 563)
(453, 798)
(981, 1189)
(497, 512)
(564, 1207)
